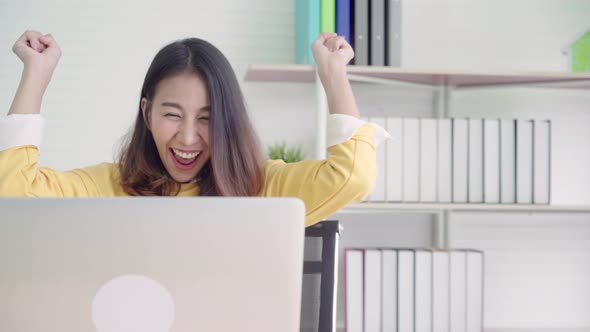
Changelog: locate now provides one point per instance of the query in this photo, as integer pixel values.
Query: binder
(369, 196)
(344, 20)
(542, 162)
(378, 194)
(405, 290)
(524, 161)
(423, 291)
(353, 298)
(475, 177)
(444, 155)
(411, 157)
(372, 284)
(389, 289)
(377, 33)
(328, 15)
(508, 161)
(440, 291)
(393, 37)
(474, 307)
(491, 165)
(459, 190)
(361, 32)
(307, 29)
(428, 157)
(457, 308)
(394, 161)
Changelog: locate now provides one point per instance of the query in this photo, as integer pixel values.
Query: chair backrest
(321, 258)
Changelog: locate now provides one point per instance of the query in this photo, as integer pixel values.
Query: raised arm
(21, 130)
(40, 55)
(332, 53)
(349, 173)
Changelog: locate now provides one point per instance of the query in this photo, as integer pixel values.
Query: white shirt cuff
(20, 130)
(341, 128)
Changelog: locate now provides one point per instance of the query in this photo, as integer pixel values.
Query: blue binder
(343, 20)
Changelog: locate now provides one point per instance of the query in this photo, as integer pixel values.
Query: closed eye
(172, 115)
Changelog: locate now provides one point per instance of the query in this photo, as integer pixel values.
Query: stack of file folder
(464, 160)
(407, 290)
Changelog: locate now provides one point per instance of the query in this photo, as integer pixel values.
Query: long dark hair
(235, 167)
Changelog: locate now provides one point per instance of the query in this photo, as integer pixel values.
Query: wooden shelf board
(306, 73)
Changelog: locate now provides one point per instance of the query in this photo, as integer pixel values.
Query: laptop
(151, 264)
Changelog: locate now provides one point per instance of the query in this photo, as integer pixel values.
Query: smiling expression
(179, 122)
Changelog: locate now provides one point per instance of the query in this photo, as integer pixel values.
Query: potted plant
(283, 152)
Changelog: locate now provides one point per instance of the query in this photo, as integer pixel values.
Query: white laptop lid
(151, 264)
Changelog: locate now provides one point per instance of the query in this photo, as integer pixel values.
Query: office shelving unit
(443, 85)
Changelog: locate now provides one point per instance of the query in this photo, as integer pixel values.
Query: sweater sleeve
(325, 186)
(20, 175)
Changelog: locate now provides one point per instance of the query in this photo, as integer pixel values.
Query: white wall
(537, 266)
(108, 45)
(491, 35)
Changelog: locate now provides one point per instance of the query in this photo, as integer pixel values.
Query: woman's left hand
(331, 53)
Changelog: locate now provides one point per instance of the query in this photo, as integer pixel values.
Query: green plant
(287, 154)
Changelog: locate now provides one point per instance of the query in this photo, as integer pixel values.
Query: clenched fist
(331, 53)
(40, 55)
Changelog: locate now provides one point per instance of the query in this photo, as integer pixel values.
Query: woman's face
(179, 122)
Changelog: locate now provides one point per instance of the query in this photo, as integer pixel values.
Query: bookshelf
(445, 218)
(442, 84)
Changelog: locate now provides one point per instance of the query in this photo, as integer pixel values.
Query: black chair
(328, 232)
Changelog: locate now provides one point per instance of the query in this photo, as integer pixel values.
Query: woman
(192, 135)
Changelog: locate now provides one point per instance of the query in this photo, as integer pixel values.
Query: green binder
(328, 16)
(581, 54)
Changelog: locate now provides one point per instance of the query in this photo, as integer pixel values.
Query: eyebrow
(177, 106)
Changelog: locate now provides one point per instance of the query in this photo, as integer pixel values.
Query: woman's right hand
(39, 53)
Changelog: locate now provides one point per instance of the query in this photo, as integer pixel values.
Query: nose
(188, 133)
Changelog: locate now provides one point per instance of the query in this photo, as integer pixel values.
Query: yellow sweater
(325, 186)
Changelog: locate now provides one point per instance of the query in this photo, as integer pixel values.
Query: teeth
(185, 155)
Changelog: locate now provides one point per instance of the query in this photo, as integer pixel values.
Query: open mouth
(185, 160)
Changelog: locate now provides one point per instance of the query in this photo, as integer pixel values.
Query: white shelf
(540, 329)
(458, 80)
(522, 329)
(436, 208)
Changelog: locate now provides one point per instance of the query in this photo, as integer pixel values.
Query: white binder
(411, 152)
(542, 162)
(491, 164)
(508, 161)
(428, 158)
(475, 177)
(394, 161)
(524, 161)
(459, 160)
